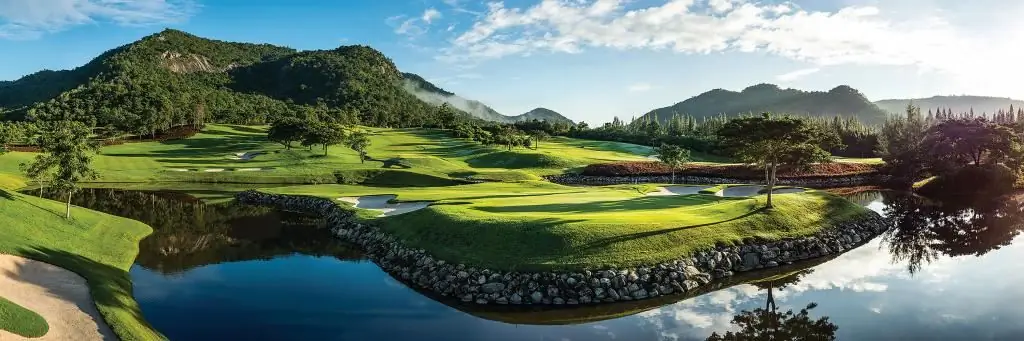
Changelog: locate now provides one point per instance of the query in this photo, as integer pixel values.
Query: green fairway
(20, 321)
(400, 157)
(864, 160)
(97, 246)
(543, 226)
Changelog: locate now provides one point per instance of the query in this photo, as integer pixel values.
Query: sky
(590, 60)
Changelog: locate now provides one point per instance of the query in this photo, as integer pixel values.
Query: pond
(947, 271)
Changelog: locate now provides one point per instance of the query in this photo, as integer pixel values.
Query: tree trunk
(67, 213)
(362, 157)
(771, 184)
(673, 181)
(325, 150)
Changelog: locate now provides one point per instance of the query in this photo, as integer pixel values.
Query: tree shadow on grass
(110, 288)
(601, 243)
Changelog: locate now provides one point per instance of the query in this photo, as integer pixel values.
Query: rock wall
(815, 182)
(490, 286)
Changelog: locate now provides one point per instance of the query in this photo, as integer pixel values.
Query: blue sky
(588, 59)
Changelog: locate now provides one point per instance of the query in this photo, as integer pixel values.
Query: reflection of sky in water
(862, 292)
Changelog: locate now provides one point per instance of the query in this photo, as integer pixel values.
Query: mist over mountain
(978, 104)
(430, 93)
(841, 100)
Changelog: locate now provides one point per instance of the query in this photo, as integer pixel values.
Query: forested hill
(427, 91)
(841, 100)
(172, 78)
(977, 104)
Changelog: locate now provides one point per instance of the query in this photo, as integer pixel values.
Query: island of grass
(20, 321)
(97, 246)
(540, 226)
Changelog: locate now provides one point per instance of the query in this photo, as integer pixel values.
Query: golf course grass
(399, 157)
(20, 321)
(97, 246)
(538, 226)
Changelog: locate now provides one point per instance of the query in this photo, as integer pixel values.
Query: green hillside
(841, 100)
(400, 156)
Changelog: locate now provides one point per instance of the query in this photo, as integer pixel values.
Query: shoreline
(468, 284)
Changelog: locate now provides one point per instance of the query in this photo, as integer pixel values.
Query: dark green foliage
(772, 142)
(842, 100)
(901, 142)
(953, 144)
(287, 130)
(325, 134)
(970, 181)
(65, 157)
(768, 324)
(979, 104)
(359, 141)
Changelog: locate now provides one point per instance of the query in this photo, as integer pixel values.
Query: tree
(673, 156)
(359, 141)
(955, 143)
(324, 134)
(538, 136)
(7, 136)
(445, 115)
(772, 142)
(901, 142)
(287, 130)
(65, 157)
(768, 324)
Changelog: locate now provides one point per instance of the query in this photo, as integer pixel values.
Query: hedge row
(736, 171)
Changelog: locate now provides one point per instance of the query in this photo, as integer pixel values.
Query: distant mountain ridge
(430, 93)
(841, 100)
(964, 103)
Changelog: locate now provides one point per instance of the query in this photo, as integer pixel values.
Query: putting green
(20, 321)
(540, 226)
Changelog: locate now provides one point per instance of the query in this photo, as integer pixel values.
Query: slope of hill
(979, 104)
(430, 93)
(841, 100)
(173, 77)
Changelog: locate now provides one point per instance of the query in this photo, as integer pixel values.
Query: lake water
(949, 271)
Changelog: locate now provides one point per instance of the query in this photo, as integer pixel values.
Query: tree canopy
(65, 157)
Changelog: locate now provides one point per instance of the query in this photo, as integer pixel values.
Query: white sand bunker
(60, 296)
(214, 170)
(245, 156)
(749, 191)
(248, 169)
(678, 190)
(380, 203)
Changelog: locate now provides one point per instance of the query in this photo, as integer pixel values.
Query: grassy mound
(97, 246)
(544, 226)
(20, 321)
(11, 181)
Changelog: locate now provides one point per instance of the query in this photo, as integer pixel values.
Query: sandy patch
(179, 170)
(752, 190)
(245, 156)
(653, 158)
(214, 170)
(60, 296)
(380, 203)
(248, 169)
(678, 190)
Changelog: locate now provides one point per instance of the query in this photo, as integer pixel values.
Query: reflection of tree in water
(926, 230)
(188, 233)
(769, 324)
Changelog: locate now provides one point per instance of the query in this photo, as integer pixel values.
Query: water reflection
(927, 229)
(188, 233)
(237, 272)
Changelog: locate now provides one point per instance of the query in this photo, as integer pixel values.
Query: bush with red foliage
(735, 171)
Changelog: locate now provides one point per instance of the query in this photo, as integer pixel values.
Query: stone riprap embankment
(490, 286)
(815, 181)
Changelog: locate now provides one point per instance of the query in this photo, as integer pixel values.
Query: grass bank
(21, 321)
(537, 226)
(97, 246)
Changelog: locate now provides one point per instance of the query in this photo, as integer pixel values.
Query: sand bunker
(60, 296)
(749, 191)
(246, 156)
(653, 157)
(214, 170)
(248, 169)
(678, 190)
(380, 203)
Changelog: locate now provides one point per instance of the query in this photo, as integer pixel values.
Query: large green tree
(901, 142)
(674, 156)
(770, 142)
(359, 141)
(324, 134)
(65, 156)
(287, 130)
(956, 143)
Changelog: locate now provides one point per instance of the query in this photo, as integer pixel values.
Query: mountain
(979, 104)
(841, 100)
(542, 114)
(172, 78)
(430, 93)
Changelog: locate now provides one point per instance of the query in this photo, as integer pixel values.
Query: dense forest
(841, 100)
(978, 104)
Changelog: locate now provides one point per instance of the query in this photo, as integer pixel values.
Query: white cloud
(430, 14)
(639, 87)
(797, 74)
(859, 35)
(27, 19)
